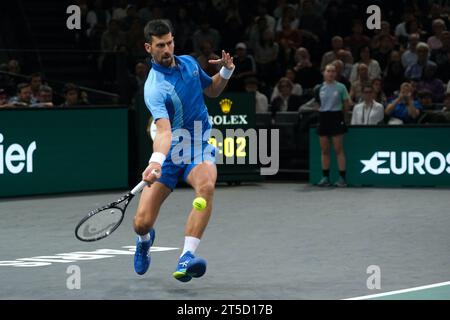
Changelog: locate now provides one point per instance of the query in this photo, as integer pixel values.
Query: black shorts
(331, 123)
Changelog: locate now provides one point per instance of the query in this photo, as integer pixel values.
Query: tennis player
(173, 93)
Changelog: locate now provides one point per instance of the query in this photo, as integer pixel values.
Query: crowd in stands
(280, 50)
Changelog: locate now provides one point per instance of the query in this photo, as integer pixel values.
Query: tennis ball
(199, 203)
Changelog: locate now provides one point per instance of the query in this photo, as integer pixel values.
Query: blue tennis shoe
(189, 267)
(142, 254)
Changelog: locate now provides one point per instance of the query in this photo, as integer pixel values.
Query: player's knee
(206, 189)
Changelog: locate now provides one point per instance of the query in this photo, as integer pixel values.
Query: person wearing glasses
(367, 112)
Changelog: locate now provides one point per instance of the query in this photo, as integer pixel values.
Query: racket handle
(141, 185)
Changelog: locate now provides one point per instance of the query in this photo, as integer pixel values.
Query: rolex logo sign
(225, 105)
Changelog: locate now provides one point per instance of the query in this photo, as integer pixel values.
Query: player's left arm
(220, 80)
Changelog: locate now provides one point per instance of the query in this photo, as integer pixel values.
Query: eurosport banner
(393, 156)
(63, 150)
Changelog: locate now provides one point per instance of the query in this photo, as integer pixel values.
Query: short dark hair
(21, 86)
(70, 87)
(156, 28)
(36, 75)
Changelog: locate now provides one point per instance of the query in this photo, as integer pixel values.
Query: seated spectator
(425, 98)
(446, 107)
(415, 71)
(205, 33)
(403, 109)
(378, 93)
(293, 37)
(442, 57)
(305, 73)
(339, 67)
(361, 81)
(400, 29)
(4, 99)
(261, 103)
(384, 31)
(337, 43)
(266, 53)
(395, 74)
(289, 17)
(97, 16)
(72, 96)
(373, 65)
(112, 37)
(382, 54)
(347, 58)
(145, 12)
(286, 101)
(23, 97)
(206, 54)
(131, 16)
(297, 88)
(44, 97)
(367, 112)
(357, 39)
(434, 42)
(245, 66)
(310, 18)
(409, 57)
(35, 84)
(120, 10)
(431, 83)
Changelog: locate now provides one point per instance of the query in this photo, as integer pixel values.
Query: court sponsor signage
(62, 150)
(390, 156)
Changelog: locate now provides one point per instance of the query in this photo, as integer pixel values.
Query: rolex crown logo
(225, 105)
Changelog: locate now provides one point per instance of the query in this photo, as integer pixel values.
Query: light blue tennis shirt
(176, 93)
(332, 96)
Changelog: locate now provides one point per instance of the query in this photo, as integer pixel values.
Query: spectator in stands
(279, 9)
(337, 43)
(334, 100)
(205, 33)
(72, 96)
(374, 70)
(288, 19)
(23, 97)
(184, 27)
(409, 56)
(130, 18)
(13, 66)
(347, 58)
(425, 98)
(113, 37)
(357, 39)
(400, 29)
(45, 97)
(245, 66)
(120, 10)
(305, 73)
(286, 56)
(395, 74)
(266, 53)
(296, 89)
(286, 101)
(382, 54)
(415, 71)
(4, 99)
(145, 13)
(206, 54)
(446, 107)
(431, 83)
(384, 31)
(339, 68)
(442, 57)
(310, 18)
(403, 109)
(97, 16)
(35, 84)
(292, 37)
(263, 13)
(261, 103)
(434, 42)
(362, 80)
(378, 93)
(140, 75)
(368, 111)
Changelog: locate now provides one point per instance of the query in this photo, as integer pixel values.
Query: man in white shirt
(409, 57)
(368, 112)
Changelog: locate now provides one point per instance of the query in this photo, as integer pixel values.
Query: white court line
(435, 285)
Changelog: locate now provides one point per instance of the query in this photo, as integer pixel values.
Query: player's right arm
(155, 100)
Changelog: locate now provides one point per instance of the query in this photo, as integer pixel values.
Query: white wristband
(226, 73)
(157, 157)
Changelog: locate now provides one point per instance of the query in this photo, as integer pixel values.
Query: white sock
(190, 244)
(145, 237)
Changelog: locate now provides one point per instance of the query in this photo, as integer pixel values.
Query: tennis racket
(101, 222)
